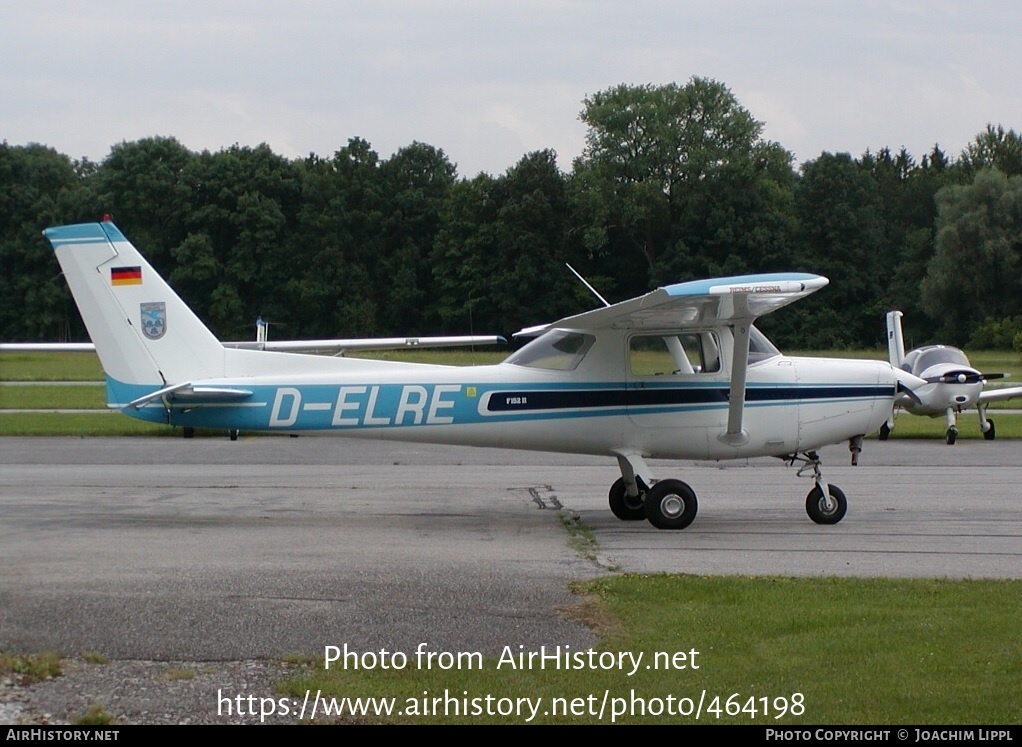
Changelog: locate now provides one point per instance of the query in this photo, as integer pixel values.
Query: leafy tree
(142, 185)
(38, 188)
(498, 258)
(907, 191)
(994, 148)
(996, 334)
(243, 214)
(416, 181)
(841, 235)
(976, 272)
(330, 286)
(677, 181)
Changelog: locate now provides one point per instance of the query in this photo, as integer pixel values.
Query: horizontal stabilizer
(197, 395)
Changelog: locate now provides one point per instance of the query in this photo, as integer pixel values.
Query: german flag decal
(125, 276)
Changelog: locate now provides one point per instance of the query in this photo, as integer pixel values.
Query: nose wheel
(824, 511)
(951, 435)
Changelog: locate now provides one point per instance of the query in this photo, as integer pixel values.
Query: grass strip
(53, 397)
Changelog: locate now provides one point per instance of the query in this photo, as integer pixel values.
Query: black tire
(989, 434)
(233, 433)
(817, 510)
(624, 507)
(885, 432)
(951, 436)
(188, 432)
(671, 504)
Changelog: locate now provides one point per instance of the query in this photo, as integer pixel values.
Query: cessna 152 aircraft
(680, 372)
(951, 384)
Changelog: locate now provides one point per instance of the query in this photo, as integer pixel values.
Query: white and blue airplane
(679, 373)
(950, 384)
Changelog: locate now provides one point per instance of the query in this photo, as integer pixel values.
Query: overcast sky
(490, 81)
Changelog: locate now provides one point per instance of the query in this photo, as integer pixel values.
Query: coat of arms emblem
(154, 319)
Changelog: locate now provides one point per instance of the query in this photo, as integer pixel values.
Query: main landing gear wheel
(951, 436)
(622, 505)
(885, 432)
(233, 434)
(671, 504)
(817, 508)
(989, 433)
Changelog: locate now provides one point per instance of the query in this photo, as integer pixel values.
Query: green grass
(50, 367)
(851, 651)
(914, 426)
(101, 423)
(31, 668)
(53, 397)
(97, 715)
(998, 361)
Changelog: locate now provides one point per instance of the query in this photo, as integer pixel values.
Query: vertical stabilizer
(143, 332)
(895, 338)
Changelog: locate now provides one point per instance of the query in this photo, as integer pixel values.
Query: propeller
(964, 376)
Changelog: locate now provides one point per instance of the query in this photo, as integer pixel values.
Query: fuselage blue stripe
(346, 406)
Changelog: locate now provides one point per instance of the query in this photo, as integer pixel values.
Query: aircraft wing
(700, 303)
(997, 395)
(47, 347)
(291, 346)
(374, 343)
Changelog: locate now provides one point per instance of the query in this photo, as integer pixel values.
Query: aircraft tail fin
(895, 338)
(144, 333)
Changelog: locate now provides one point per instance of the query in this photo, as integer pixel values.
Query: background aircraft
(951, 383)
(680, 372)
(338, 347)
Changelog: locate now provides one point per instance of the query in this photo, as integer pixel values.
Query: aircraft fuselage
(599, 407)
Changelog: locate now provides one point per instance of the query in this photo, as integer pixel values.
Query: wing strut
(736, 435)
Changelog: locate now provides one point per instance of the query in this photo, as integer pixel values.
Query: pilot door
(677, 380)
(683, 381)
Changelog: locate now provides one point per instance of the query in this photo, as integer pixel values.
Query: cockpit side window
(557, 350)
(685, 353)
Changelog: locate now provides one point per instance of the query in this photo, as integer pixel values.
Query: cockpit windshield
(557, 350)
(919, 360)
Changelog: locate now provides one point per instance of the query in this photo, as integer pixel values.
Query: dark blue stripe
(508, 401)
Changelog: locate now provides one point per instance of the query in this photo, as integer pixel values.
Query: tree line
(676, 182)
